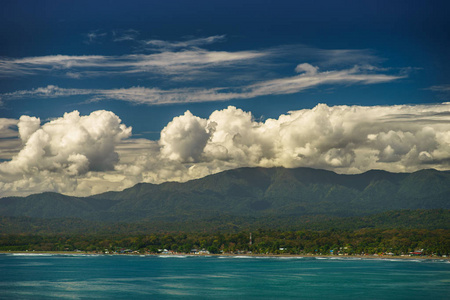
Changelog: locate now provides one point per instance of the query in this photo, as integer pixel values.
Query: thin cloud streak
(95, 36)
(326, 57)
(165, 62)
(310, 77)
(166, 45)
(125, 35)
(444, 88)
(179, 58)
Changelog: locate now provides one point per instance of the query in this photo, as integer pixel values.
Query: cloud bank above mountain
(82, 155)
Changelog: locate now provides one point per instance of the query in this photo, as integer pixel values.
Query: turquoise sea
(48, 276)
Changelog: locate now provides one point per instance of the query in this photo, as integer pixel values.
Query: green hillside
(248, 193)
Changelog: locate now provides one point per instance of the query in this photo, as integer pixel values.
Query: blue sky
(148, 62)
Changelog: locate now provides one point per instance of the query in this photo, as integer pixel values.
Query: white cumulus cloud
(346, 139)
(184, 138)
(82, 155)
(68, 146)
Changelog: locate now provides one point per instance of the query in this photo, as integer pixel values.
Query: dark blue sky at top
(413, 35)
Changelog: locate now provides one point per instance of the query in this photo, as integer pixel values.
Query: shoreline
(232, 255)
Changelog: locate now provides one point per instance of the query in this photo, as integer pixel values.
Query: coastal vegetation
(328, 242)
(425, 232)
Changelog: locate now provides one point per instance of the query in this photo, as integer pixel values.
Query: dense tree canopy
(363, 241)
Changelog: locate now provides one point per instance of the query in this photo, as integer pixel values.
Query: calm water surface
(49, 276)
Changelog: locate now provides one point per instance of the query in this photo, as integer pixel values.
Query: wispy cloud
(50, 91)
(309, 77)
(139, 95)
(98, 65)
(326, 57)
(10, 67)
(168, 45)
(121, 35)
(243, 74)
(184, 60)
(95, 36)
(444, 88)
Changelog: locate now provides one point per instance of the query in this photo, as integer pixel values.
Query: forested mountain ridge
(252, 192)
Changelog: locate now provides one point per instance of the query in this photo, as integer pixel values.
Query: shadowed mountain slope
(252, 192)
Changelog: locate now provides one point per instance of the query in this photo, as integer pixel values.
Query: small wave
(54, 254)
(32, 254)
(79, 255)
(338, 258)
(394, 259)
(173, 256)
(245, 257)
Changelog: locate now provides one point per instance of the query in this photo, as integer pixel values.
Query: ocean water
(46, 276)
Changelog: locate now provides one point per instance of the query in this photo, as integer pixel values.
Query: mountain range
(256, 193)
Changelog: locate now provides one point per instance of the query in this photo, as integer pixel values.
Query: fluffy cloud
(63, 148)
(346, 139)
(27, 126)
(83, 155)
(184, 138)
